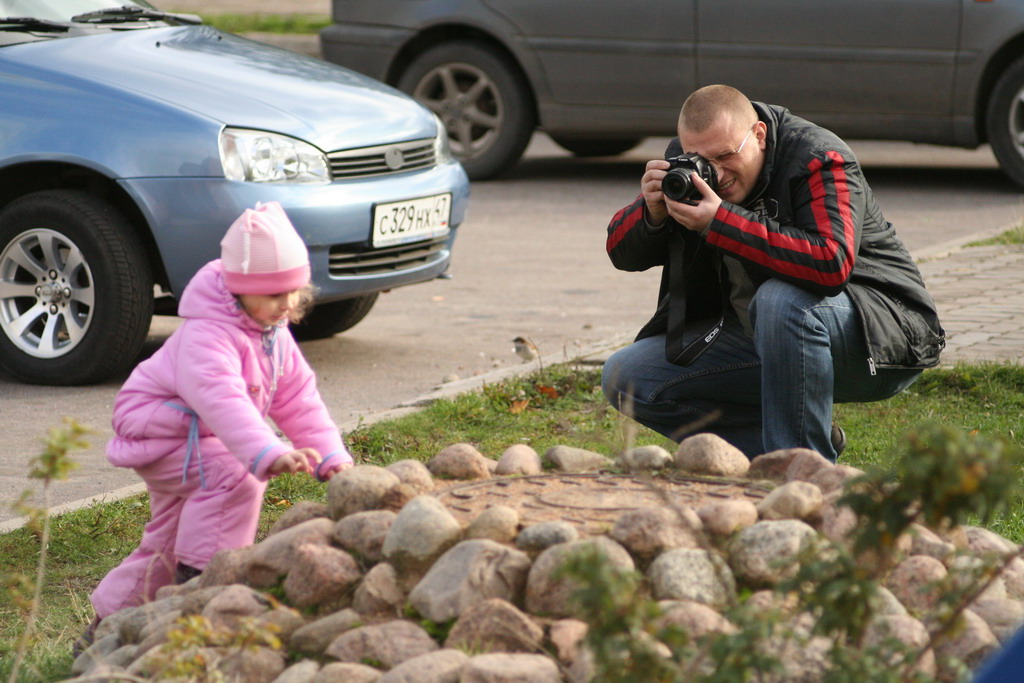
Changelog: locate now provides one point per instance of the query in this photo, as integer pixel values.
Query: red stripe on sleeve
(628, 222)
(819, 252)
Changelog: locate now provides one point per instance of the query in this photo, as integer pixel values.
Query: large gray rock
(510, 668)
(322, 576)
(270, 560)
(646, 532)
(981, 541)
(712, 455)
(441, 666)
(767, 552)
(414, 473)
(569, 459)
(726, 517)
(567, 635)
(347, 672)
(299, 672)
(390, 643)
(469, 573)
(924, 541)
(314, 637)
(519, 459)
(252, 665)
(695, 619)
(645, 459)
(499, 523)
(234, 604)
(421, 533)
(459, 461)
(363, 533)
(834, 478)
(301, 511)
(548, 593)
(806, 464)
(773, 465)
(792, 500)
(228, 566)
(692, 574)
(495, 625)
(1004, 616)
(379, 592)
(360, 488)
(905, 630)
(541, 536)
(970, 642)
(914, 582)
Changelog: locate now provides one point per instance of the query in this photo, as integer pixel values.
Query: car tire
(330, 318)
(76, 292)
(1005, 121)
(482, 100)
(597, 147)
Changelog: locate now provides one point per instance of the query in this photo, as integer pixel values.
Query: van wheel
(1005, 121)
(76, 292)
(484, 103)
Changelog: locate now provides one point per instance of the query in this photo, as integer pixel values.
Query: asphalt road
(529, 260)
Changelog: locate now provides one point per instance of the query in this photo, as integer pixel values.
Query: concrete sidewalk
(979, 292)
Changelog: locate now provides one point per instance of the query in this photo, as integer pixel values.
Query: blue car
(131, 138)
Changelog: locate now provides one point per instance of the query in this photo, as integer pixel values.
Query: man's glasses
(726, 157)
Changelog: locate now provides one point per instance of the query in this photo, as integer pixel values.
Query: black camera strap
(686, 340)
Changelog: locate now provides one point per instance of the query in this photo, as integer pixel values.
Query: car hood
(239, 82)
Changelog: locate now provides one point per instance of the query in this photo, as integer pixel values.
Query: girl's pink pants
(188, 524)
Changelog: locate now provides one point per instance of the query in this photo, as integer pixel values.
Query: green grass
(267, 23)
(563, 406)
(1014, 235)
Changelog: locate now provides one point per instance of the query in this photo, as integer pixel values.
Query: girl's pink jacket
(223, 367)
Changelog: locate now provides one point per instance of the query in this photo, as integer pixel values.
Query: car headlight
(261, 157)
(442, 152)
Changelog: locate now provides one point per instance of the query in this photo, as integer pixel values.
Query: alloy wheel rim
(1015, 122)
(469, 104)
(47, 295)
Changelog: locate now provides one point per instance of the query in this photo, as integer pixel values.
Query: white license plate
(411, 220)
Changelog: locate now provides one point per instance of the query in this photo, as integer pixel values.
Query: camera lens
(677, 185)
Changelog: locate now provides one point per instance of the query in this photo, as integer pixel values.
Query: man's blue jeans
(774, 391)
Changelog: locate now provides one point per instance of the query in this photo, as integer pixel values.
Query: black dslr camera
(677, 184)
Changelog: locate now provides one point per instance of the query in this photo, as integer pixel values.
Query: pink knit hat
(262, 254)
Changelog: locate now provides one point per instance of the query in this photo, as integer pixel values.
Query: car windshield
(65, 10)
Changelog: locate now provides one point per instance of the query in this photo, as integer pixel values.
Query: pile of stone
(351, 588)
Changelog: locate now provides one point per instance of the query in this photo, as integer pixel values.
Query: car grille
(343, 262)
(399, 157)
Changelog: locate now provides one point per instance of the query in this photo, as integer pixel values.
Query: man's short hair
(704, 105)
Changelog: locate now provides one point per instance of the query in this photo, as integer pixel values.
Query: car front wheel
(482, 100)
(76, 293)
(332, 317)
(1005, 121)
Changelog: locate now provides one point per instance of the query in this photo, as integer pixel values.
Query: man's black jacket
(812, 221)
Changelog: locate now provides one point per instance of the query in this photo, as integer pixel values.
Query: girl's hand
(301, 460)
(333, 466)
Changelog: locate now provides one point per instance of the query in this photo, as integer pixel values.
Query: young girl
(191, 419)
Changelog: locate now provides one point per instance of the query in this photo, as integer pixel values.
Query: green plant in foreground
(51, 465)
(196, 649)
(944, 478)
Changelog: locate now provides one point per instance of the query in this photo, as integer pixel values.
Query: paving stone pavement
(979, 292)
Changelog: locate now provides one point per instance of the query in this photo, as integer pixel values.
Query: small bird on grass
(526, 349)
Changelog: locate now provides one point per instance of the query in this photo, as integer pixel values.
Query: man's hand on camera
(697, 216)
(650, 185)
